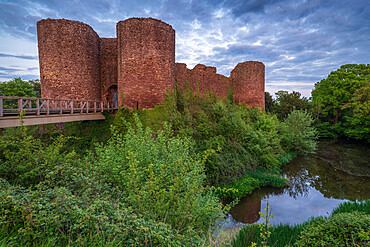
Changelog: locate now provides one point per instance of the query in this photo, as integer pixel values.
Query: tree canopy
(285, 103)
(20, 88)
(342, 100)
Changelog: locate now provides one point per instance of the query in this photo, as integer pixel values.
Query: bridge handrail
(47, 105)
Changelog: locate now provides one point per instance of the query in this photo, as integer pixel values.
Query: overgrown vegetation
(130, 191)
(154, 178)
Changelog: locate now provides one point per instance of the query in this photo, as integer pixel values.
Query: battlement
(139, 65)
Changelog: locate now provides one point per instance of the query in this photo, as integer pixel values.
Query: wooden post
(87, 106)
(1, 107)
(60, 105)
(47, 107)
(20, 106)
(38, 107)
(71, 106)
(94, 106)
(101, 106)
(81, 106)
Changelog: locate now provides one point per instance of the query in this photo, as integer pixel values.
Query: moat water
(338, 172)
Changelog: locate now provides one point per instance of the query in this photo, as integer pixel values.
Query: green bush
(298, 134)
(59, 216)
(252, 180)
(26, 160)
(159, 177)
(349, 207)
(342, 229)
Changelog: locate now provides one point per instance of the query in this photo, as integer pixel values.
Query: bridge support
(14, 121)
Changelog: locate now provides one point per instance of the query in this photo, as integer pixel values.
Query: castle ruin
(75, 63)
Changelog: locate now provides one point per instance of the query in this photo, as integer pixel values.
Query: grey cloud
(19, 56)
(8, 70)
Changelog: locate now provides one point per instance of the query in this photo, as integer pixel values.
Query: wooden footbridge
(15, 111)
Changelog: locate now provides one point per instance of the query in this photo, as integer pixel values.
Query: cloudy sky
(299, 41)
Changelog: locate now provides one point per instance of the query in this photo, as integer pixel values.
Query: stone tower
(248, 83)
(69, 60)
(146, 61)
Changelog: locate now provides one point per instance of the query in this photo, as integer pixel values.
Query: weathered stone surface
(202, 78)
(247, 80)
(146, 61)
(140, 64)
(108, 66)
(69, 60)
(248, 83)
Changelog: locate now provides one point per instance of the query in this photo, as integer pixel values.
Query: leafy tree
(358, 122)
(332, 93)
(269, 102)
(286, 102)
(20, 88)
(341, 102)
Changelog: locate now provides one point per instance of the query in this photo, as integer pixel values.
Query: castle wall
(69, 60)
(140, 63)
(248, 83)
(146, 61)
(202, 78)
(108, 65)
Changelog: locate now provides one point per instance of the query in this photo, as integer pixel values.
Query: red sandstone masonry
(248, 83)
(108, 64)
(146, 61)
(76, 64)
(203, 78)
(69, 60)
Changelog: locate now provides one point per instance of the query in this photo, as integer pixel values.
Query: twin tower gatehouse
(75, 63)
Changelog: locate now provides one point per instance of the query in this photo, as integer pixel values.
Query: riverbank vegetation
(157, 177)
(143, 177)
(340, 103)
(348, 225)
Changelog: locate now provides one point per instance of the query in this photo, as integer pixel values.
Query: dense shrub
(159, 177)
(343, 229)
(244, 138)
(349, 207)
(298, 134)
(58, 215)
(26, 160)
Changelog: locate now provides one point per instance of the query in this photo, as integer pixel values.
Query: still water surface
(338, 172)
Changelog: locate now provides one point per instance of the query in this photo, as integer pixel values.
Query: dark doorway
(112, 95)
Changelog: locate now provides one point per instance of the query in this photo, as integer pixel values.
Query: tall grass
(349, 207)
(281, 235)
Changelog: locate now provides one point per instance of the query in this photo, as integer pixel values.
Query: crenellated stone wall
(247, 80)
(202, 78)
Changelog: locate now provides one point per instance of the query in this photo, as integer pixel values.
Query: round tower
(69, 60)
(146, 61)
(248, 83)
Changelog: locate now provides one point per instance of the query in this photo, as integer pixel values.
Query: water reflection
(318, 184)
(247, 211)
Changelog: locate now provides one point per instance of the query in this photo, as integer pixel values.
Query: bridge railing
(10, 106)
